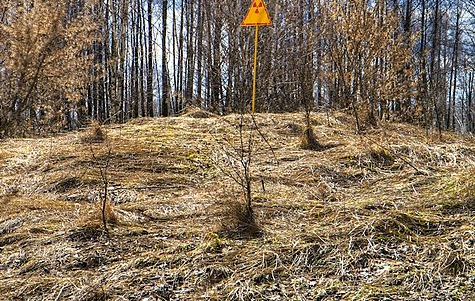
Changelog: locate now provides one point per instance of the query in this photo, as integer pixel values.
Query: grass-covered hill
(388, 215)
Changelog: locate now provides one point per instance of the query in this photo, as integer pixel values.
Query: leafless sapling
(103, 165)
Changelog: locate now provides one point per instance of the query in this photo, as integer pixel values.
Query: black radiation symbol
(257, 7)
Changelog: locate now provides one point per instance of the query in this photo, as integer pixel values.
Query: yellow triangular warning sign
(257, 14)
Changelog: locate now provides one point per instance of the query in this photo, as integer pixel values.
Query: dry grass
(94, 134)
(309, 140)
(237, 221)
(387, 215)
(196, 112)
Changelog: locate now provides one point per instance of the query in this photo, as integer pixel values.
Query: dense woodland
(64, 63)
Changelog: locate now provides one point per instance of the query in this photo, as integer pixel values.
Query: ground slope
(386, 215)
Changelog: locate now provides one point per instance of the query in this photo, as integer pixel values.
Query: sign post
(256, 15)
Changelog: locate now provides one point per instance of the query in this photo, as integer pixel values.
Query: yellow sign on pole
(256, 15)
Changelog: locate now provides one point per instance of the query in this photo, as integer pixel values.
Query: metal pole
(255, 68)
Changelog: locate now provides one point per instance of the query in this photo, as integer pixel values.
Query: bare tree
(102, 164)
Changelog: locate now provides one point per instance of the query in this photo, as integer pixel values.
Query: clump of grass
(381, 156)
(95, 292)
(212, 243)
(238, 220)
(457, 193)
(110, 215)
(310, 141)
(400, 226)
(95, 214)
(244, 290)
(94, 134)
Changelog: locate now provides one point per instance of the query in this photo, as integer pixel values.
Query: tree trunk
(165, 100)
(150, 106)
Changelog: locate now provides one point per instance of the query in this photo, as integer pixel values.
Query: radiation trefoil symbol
(257, 15)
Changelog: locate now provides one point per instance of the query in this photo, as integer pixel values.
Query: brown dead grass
(386, 215)
(195, 112)
(238, 222)
(94, 134)
(310, 141)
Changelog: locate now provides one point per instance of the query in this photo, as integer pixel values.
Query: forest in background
(65, 63)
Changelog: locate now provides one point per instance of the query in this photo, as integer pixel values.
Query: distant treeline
(65, 63)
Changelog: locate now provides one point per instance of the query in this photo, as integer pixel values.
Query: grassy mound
(386, 215)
